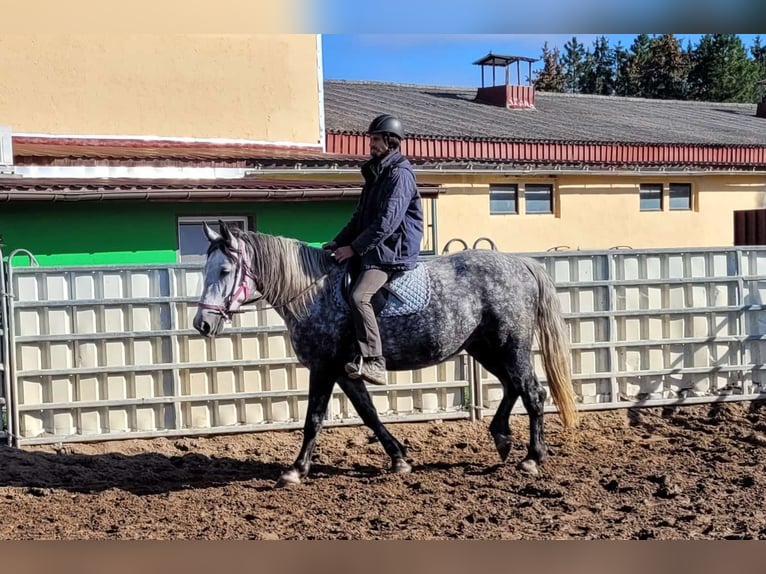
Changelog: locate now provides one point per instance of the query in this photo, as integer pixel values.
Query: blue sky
(445, 59)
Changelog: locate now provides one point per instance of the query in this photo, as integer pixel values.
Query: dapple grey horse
(488, 303)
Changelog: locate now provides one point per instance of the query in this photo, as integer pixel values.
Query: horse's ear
(209, 233)
(228, 238)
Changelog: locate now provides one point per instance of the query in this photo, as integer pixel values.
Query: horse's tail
(554, 345)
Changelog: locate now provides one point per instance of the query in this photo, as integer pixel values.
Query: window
(428, 244)
(538, 197)
(651, 196)
(503, 199)
(192, 243)
(680, 196)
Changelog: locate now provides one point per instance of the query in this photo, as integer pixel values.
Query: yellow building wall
(597, 212)
(590, 211)
(259, 87)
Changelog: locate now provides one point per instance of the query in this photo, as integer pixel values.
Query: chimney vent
(511, 96)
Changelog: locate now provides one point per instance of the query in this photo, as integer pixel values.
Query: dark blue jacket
(387, 226)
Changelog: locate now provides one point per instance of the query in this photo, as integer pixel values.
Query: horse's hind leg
(320, 389)
(360, 398)
(513, 367)
(533, 395)
(499, 428)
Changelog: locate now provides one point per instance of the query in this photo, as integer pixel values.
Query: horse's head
(229, 281)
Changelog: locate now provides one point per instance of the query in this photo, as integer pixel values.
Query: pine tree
(551, 77)
(598, 73)
(759, 56)
(638, 62)
(622, 63)
(759, 64)
(663, 75)
(572, 61)
(721, 70)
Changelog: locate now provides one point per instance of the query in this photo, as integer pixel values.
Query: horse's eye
(224, 272)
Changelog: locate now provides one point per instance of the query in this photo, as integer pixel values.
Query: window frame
(688, 186)
(658, 187)
(504, 189)
(551, 204)
(212, 221)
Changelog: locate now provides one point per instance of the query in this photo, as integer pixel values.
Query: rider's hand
(343, 253)
(330, 246)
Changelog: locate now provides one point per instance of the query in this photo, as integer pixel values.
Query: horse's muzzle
(207, 325)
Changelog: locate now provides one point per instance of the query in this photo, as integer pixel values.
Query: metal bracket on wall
(454, 240)
(492, 245)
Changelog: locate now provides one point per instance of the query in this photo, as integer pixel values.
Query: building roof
(501, 60)
(444, 112)
(95, 148)
(248, 189)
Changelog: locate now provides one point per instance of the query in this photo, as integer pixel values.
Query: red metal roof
(345, 144)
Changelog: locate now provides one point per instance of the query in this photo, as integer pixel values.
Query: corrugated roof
(433, 111)
(251, 189)
(42, 147)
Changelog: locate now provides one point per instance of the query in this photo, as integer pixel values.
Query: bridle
(242, 274)
(245, 272)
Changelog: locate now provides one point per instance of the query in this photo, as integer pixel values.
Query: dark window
(680, 196)
(538, 197)
(192, 243)
(503, 198)
(651, 196)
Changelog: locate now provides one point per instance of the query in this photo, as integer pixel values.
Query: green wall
(114, 232)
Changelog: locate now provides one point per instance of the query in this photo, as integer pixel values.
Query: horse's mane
(289, 272)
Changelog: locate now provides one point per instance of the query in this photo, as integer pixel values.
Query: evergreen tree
(588, 74)
(759, 64)
(572, 61)
(638, 62)
(663, 75)
(551, 77)
(721, 70)
(622, 63)
(598, 76)
(759, 56)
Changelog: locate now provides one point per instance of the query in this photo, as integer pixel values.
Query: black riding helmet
(386, 124)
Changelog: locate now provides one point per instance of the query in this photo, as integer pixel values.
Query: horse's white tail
(554, 345)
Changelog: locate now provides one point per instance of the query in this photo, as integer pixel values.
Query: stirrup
(354, 368)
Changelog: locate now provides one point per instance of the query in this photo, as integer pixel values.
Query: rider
(384, 233)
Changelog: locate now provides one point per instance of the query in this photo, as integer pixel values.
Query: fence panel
(110, 352)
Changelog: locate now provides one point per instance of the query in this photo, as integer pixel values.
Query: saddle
(406, 292)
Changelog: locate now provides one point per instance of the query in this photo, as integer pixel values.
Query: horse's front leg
(360, 397)
(320, 389)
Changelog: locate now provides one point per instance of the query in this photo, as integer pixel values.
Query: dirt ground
(674, 473)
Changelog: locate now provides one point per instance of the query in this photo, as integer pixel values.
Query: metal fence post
(13, 408)
(5, 335)
(477, 391)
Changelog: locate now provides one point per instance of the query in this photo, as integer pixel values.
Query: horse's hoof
(288, 478)
(503, 446)
(400, 466)
(529, 466)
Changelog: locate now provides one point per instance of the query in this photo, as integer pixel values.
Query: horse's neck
(302, 273)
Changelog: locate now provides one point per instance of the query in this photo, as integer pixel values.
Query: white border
(320, 86)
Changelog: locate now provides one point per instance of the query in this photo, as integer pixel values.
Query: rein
(298, 296)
